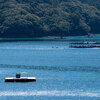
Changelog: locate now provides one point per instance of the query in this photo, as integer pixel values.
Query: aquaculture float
(20, 79)
(84, 44)
(89, 46)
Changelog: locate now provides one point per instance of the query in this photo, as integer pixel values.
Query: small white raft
(20, 79)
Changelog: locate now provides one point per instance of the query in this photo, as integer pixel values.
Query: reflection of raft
(84, 46)
(19, 79)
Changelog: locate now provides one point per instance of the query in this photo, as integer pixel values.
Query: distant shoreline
(54, 38)
(32, 39)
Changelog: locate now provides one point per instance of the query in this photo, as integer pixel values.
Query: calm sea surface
(62, 73)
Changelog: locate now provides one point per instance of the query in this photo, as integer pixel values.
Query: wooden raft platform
(22, 79)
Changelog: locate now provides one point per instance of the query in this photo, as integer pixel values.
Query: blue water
(62, 72)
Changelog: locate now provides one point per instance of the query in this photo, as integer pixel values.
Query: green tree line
(37, 18)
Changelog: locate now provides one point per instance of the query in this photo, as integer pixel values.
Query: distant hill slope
(36, 18)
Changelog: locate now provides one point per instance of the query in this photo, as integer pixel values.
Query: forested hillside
(36, 18)
(95, 3)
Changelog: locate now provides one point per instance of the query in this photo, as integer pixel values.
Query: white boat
(20, 79)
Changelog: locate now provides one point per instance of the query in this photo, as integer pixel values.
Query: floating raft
(85, 43)
(22, 79)
(91, 46)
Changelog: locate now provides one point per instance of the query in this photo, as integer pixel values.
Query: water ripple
(52, 93)
(55, 68)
